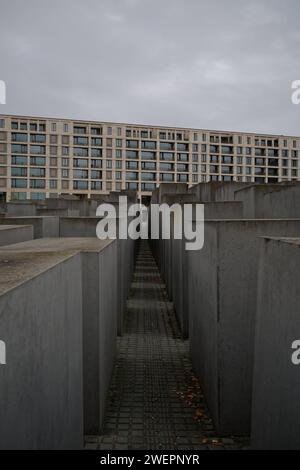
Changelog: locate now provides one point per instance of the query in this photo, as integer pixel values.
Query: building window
(96, 163)
(83, 174)
(2, 123)
(41, 138)
(18, 171)
(19, 183)
(17, 148)
(53, 138)
(37, 183)
(149, 144)
(96, 185)
(66, 128)
(130, 175)
(97, 141)
(79, 130)
(18, 160)
(38, 172)
(53, 126)
(40, 161)
(80, 151)
(80, 185)
(166, 177)
(38, 149)
(17, 137)
(131, 154)
(81, 162)
(96, 130)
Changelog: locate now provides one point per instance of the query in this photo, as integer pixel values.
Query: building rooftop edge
(152, 126)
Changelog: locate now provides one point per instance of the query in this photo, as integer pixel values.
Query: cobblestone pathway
(155, 400)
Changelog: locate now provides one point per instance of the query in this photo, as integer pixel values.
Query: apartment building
(45, 157)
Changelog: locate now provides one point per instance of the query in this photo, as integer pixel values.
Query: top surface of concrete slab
(8, 217)
(43, 245)
(291, 241)
(18, 268)
(252, 221)
(12, 227)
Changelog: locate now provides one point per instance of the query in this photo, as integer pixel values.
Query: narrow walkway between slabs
(155, 400)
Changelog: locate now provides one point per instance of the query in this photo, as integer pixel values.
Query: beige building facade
(46, 157)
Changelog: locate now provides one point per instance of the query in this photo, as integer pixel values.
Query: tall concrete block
(15, 234)
(100, 304)
(222, 306)
(42, 226)
(270, 201)
(223, 210)
(41, 325)
(174, 266)
(276, 380)
(216, 191)
(78, 226)
(21, 209)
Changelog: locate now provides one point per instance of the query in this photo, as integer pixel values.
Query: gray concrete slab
(41, 325)
(42, 226)
(222, 289)
(276, 380)
(270, 201)
(100, 297)
(15, 234)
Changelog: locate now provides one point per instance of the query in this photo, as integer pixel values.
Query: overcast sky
(220, 64)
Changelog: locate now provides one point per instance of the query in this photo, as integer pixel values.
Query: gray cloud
(208, 64)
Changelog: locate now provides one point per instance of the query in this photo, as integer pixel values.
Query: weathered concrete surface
(155, 399)
(78, 226)
(171, 254)
(223, 210)
(41, 324)
(80, 207)
(167, 188)
(42, 226)
(100, 297)
(86, 227)
(21, 209)
(276, 380)
(270, 201)
(216, 191)
(15, 234)
(44, 211)
(222, 288)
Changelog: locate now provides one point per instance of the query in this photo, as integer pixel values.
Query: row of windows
(149, 155)
(248, 170)
(149, 133)
(97, 141)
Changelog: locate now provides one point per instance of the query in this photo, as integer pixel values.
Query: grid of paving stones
(155, 400)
